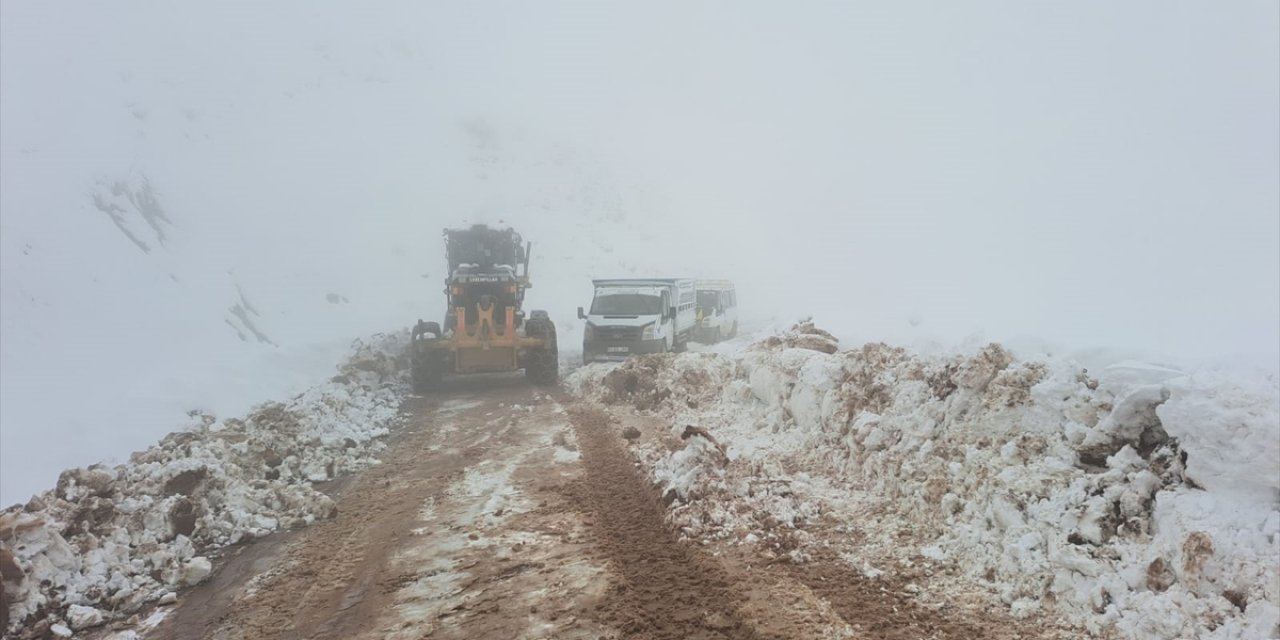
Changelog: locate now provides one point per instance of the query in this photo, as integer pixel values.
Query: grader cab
(485, 329)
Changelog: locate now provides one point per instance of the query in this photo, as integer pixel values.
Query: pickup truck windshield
(626, 304)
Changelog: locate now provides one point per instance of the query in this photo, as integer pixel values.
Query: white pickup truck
(648, 315)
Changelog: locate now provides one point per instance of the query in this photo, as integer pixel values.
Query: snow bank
(108, 540)
(1145, 500)
(1230, 424)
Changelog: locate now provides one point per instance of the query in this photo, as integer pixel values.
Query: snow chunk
(196, 570)
(1230, 429)
(82, 617)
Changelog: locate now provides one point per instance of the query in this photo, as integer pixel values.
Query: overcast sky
(1098, 173)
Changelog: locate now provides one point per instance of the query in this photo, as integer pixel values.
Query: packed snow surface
(110, 539)
(1138, 499)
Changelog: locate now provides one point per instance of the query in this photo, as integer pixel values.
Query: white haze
(1091, 174)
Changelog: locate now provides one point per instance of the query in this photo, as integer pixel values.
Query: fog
(1083, 175)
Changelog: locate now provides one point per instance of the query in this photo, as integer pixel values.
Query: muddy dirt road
(464, 531)
(504, 511)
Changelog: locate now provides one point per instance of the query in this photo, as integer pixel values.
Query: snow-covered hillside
(1136, 498)
(129, 300)
(194, 239)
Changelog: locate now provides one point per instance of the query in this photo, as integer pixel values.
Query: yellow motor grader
(485, 329)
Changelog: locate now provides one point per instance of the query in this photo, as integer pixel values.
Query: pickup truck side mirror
(671, 312)
(581, 315)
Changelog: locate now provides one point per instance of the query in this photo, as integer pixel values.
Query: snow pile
(1146, 500)
(108, 540)
(650, 382)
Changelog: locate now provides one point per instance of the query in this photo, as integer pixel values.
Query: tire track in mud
(467, 529)
(330, 579)
(662, 589)
(879, 607)
(823, 597)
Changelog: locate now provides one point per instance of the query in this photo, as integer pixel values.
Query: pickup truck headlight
(646, 332)
(589, 333)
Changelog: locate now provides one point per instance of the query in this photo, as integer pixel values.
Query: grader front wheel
(426, 370)
(542, 364)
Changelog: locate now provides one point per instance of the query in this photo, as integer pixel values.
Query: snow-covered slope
(1138, 497)
(199, 232)
(141, 298)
